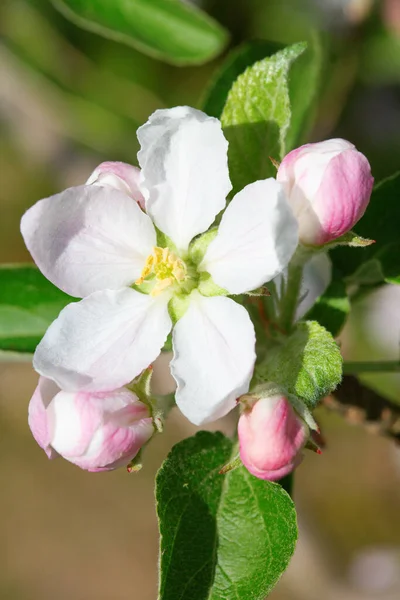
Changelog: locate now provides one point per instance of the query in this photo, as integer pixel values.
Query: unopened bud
(271, 437)
(95, 431)
(328, 185)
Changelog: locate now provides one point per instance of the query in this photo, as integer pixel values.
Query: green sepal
(207, 287)
(141, 386)
(135, 465)
(261, 292)
(177, 306)
(198, 246)
(349, 239)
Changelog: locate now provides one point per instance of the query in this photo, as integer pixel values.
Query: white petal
(185, 176)
(104, 341)
(213, 357)
(256, 239)
(88, 238)
(317, 275)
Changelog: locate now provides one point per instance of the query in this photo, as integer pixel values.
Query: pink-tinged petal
(214, 357)
(104, 341)
(88, 238)
(37, 414)
(271, 438)
(120, 176)
(256, 239)
(348, 182)
(185, 177)
(99, 431)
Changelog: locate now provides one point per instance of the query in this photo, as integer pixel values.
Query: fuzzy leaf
(259, 118)
(222, 536)
(308, 363)
(236, 62)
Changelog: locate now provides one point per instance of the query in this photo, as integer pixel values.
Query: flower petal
(256, 239)
(185, 176)
(213, 357)
(99, 431)
(104, 341)
(37, 414)
(119, 176)
(317, 275)
(88, 238)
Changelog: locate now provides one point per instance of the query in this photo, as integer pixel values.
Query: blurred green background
(71, 99)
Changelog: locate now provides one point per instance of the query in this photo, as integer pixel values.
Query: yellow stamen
(165, 266)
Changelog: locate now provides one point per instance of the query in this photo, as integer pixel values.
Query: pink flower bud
(271, 438)
(119, 176)
(96, 431)
(328, 185)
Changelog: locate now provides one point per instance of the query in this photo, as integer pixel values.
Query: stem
(390, 366)
(290, 298)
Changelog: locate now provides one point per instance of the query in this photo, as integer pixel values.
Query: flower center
(165, 267)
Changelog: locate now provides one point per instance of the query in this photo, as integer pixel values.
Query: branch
(360, 405)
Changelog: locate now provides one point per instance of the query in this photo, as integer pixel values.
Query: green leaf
(169, 30)
(258, 118)
(236, 62)
(222, 536)
(332, 308)
(381, 223)
(28, 304)
(308, 363)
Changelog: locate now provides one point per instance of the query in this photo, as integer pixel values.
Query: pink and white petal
(348, 183)
(120, 176)
(88, 238)
(75, 420)
(99, 431)
(38, 418)
(185, 177)
(104, 341)
(214, 357)
(256, 239)
(114, 445)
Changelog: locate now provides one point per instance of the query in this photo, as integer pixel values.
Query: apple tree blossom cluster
(163, 256)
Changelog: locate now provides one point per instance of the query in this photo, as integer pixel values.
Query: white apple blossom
(141, 274)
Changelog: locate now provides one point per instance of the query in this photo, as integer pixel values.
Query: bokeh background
(71, 99)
